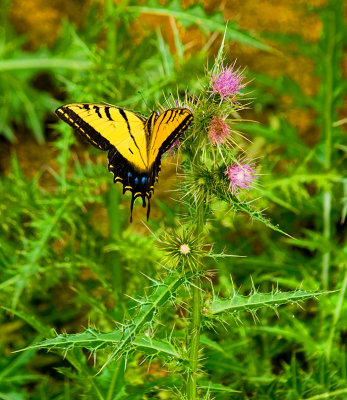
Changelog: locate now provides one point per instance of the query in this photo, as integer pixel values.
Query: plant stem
(113, 260)
(195, 340)
(115, 379)
(75, 361)
(196, 319)
(111, 30)
(330, 28)
(326, 234)
(337, 314)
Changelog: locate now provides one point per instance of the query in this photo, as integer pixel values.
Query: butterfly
(134, 144)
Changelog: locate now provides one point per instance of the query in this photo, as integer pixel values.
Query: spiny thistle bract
(184, 249)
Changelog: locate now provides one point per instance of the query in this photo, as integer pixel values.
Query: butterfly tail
(144, 204)
(148, 207)
(148, 204)
(132, 206)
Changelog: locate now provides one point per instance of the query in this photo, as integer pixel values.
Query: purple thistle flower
(227, 82)
(241, 176)
(218, 131)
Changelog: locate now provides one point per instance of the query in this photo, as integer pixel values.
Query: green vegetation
(95, 307)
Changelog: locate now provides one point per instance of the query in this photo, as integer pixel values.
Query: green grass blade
(197, 15)
(32, 321)
(43, 63)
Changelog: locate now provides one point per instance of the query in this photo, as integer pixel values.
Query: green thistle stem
(75, 361)
(326, 233)
(337, 315)
(196, 319)
(330, 26)
(115, 378)
(111, 30)
(113, 260)
(194, 344)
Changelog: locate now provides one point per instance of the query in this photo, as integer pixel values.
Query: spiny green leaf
(246, 208)
(258, 300)
(128, 333)
(95, 340)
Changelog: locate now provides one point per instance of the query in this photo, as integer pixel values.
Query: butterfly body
(134, 144)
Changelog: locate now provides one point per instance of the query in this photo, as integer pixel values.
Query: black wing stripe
(150, 123)
(175, 133)
(97, 110)
(161, 122)
(86, 130)
(122, 113)
(172, 114)
(107, 112)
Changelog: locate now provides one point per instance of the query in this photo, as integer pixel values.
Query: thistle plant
(213, 170)
(217, 174)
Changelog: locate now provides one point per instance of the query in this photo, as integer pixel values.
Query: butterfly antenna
(144, 100)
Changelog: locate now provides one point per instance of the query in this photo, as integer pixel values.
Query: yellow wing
(165, 130)
(107, 126)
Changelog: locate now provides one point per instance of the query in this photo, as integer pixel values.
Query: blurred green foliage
(63, 272)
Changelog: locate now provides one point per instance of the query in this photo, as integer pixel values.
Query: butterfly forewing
(106, 126)
(166, 129)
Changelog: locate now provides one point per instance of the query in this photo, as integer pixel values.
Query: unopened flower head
(227, 83)
(241, 176)
(218, 131)
(184, 249)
